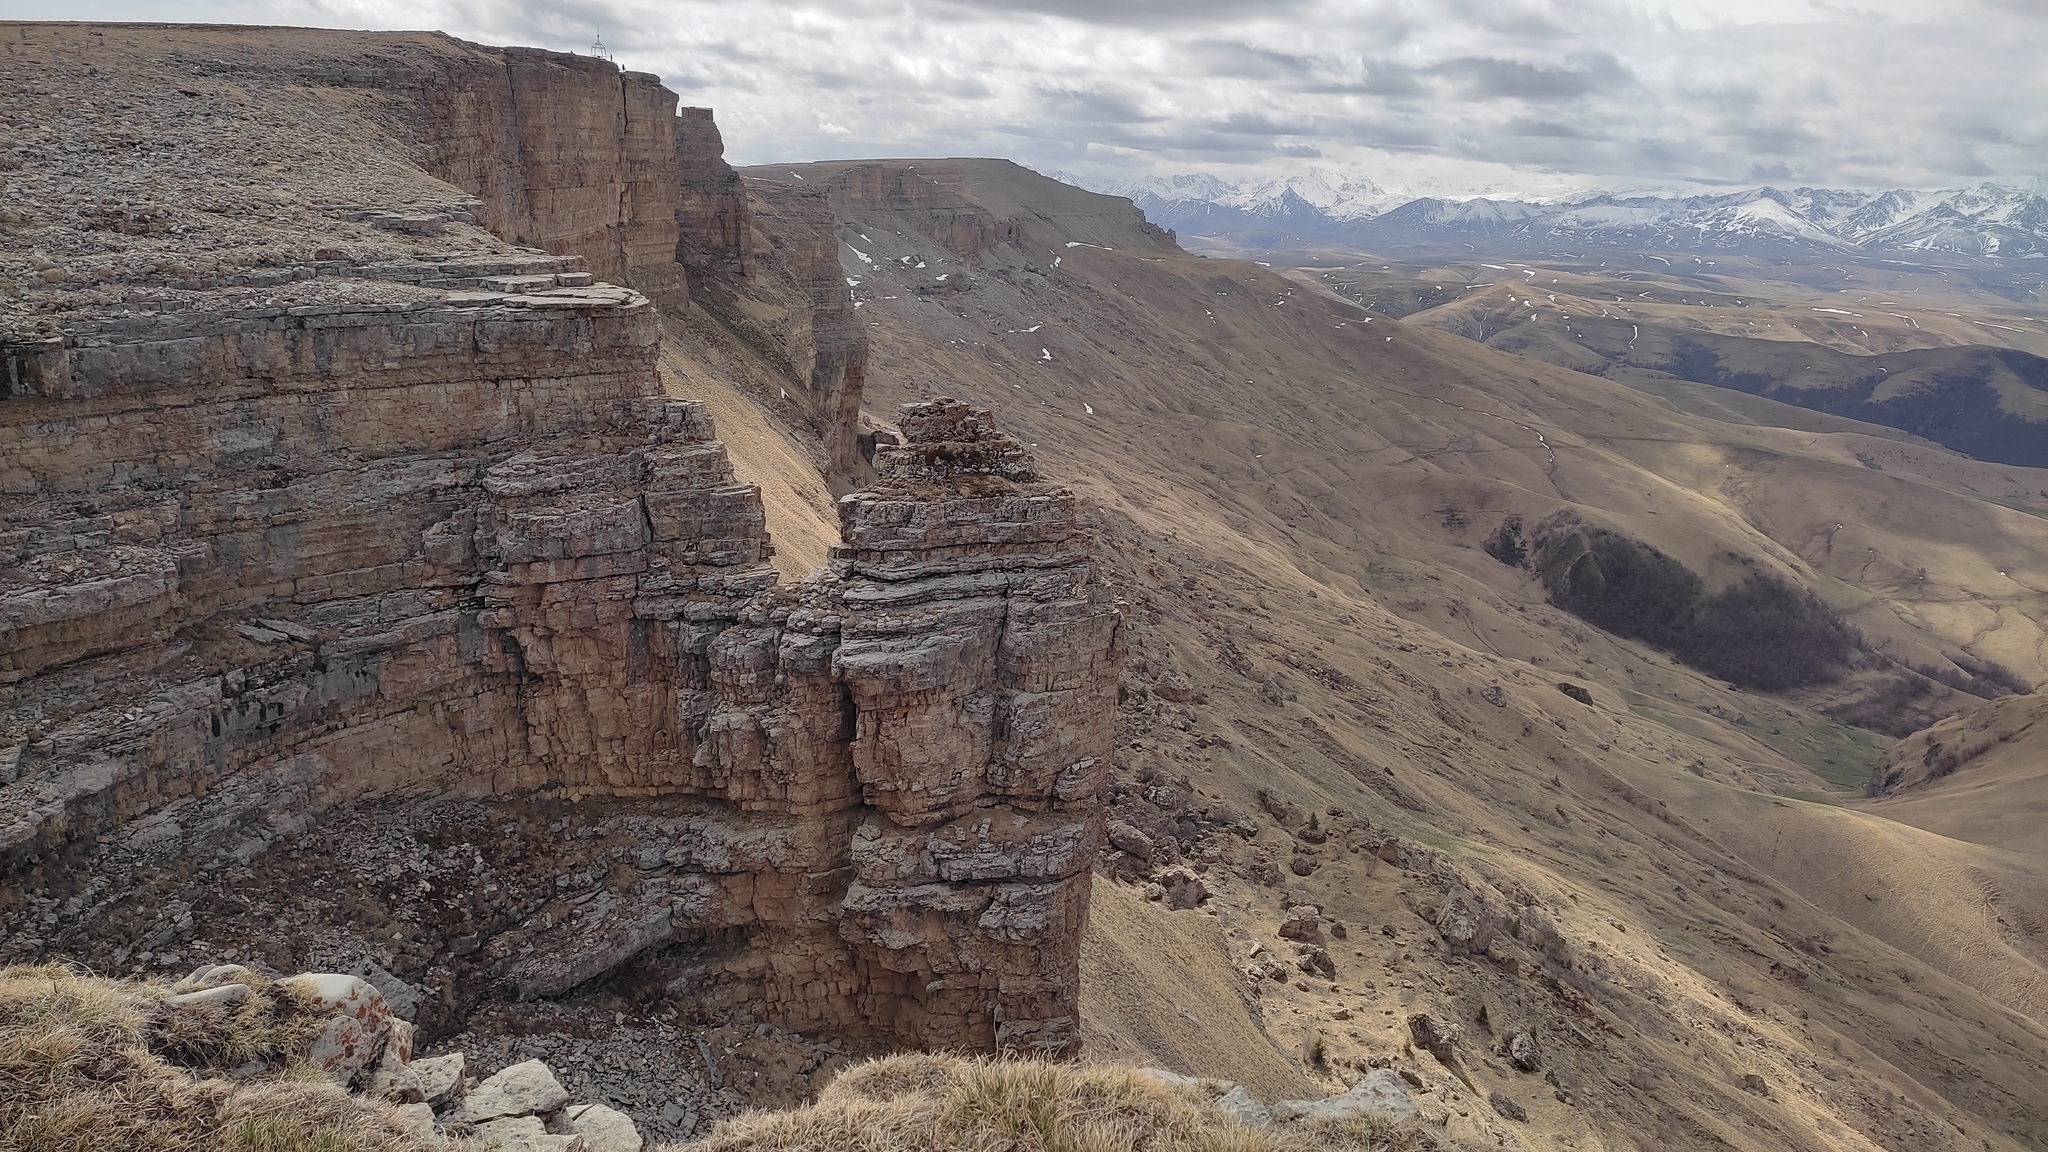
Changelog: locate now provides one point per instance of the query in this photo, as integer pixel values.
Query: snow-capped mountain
(1332, 194)
(1987, 220)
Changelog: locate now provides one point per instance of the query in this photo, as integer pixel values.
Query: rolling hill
(1714, 939)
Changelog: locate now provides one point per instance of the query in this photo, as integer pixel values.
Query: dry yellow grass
(919, 1103)
(92, 1065)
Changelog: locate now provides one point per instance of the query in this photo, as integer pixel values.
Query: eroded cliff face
(377, 603)
(763, 258)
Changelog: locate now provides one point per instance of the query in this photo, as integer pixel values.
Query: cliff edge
(365, 601)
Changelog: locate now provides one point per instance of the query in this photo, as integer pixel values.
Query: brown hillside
(1296, 490)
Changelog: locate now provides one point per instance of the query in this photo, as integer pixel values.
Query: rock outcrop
(353, 591)
(763, 258)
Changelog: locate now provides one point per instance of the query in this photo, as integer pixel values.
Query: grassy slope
(88, 1064)
(1294, 496)
(917, 1103)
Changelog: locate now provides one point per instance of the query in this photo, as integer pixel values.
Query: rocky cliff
(763, 258)
(361, 594)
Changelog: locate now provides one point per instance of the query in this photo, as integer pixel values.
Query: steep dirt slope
(1297, 489)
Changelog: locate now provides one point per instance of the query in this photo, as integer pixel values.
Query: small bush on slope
(917, 1103)
(93, 1065)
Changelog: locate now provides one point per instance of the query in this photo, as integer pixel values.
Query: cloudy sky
(1420, 95)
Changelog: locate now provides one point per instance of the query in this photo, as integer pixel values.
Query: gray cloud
(1483, 77)
(1435, 95)
(1154, 13)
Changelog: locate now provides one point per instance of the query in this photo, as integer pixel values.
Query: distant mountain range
(1988, 220)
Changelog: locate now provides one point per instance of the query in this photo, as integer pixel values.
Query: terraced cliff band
(330, 504)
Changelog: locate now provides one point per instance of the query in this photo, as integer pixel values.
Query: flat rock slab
(603, 1129)
(526, 1134)
(1379, 1092)
(439, 1078)
(525, 1089)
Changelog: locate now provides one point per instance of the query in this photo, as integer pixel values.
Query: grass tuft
(92, 1065)
(920, 1103)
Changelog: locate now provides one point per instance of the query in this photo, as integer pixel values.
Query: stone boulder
(358, 1021)
(1183, 890)
(1434, 1036)
(1315, 959)
(603, 1129)
(1467, 924)
(440, 1079)
(1522, 1051)
(525, 1134)
(1377, 1093)
(525, 1089)
(1125, 838)
(1303, 923)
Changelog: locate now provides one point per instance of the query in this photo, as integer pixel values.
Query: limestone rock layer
(382, 598)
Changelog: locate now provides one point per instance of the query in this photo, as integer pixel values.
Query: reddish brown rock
(352, 544)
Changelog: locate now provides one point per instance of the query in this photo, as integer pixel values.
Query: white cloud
(1439, 94)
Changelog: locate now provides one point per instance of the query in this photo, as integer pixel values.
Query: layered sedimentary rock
(713, 210)
(568, 154)
(764, 258)
(381, 599)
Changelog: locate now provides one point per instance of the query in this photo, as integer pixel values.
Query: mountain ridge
(1986, 220)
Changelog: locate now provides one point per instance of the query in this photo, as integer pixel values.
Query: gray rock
(1523, 1052)
(1468, 924)
(1316, 959)
(525, 1089)
(1170, 1079)
(603, 1129)
(224, 995)
(417, 1119)
(1378, 1093)
(393, 1080)
(1125, 838)
(341, 1050)
(1303, 923)
(1507, 1106)
(526, 1134)
(440, 1078)
(1242, 1106)
(403, 998)
(338, 994)
(1183, 891)
(1434, 1036)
